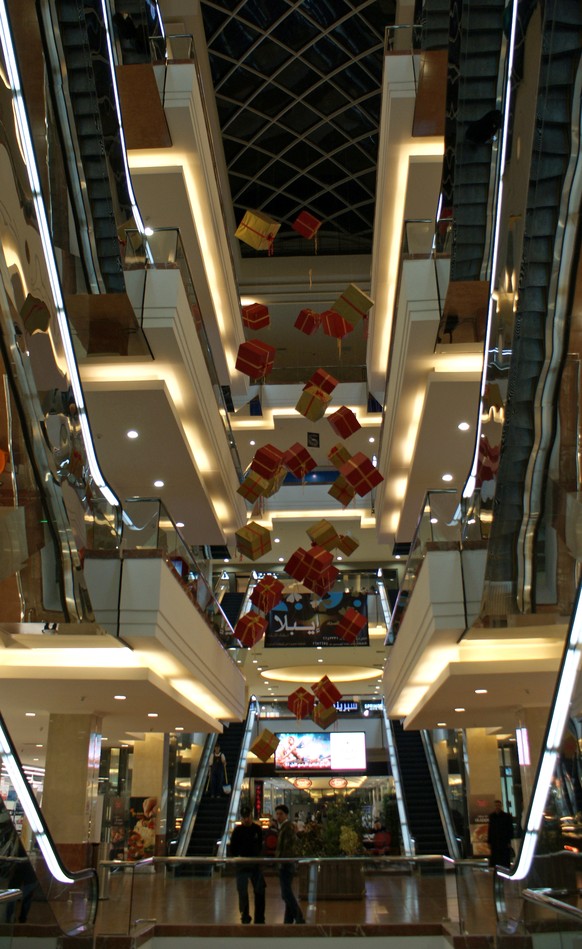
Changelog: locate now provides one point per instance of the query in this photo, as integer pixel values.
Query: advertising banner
(303, 619)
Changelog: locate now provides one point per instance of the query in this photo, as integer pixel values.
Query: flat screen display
(302, 619)
(312, 751)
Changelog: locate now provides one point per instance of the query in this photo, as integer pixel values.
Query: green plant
(339, 835)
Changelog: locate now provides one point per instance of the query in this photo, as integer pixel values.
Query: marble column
(150, 780)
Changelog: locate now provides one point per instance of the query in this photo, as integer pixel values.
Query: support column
(70, 801)
(484, 781)
(150, 781)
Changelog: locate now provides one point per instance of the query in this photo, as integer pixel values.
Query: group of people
(247, 841)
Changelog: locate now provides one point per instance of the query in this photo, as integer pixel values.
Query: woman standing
(217, 775)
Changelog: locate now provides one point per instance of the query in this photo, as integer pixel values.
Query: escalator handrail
(195, 797)
(233, 808)
(440, 795)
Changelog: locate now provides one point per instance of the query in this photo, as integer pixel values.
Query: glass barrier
(402, 37)
(546, 916)
(148, 526)
(161, 249)
(436, 529)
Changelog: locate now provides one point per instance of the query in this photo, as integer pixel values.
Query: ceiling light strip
(44, 231)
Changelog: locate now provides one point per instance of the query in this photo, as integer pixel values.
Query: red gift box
(335, 325)
(342, 491)
(322, 583)
(267, 461)
(255, 316)
(361, 473)
(264, 745)
(324, 717)
(317, 559)
(252, 487)
(295, 566)
(267, 594)
(298, 460)
(306, 225)
(308, 321)
(253, 540)
(327, 693)
(312, 403)
(347, 544)
(301, 702)
(350, 625)
(250, 628)
(255, 358)
(338, 455)
(322, 380)
(344, 422)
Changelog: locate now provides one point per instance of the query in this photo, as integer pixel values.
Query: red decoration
(338, 455)
(344, 422)
(312, 403)
(320, 574)
(335, 325)
(361, 473)
(267, 594)
(323, 380)
(301, 702)
(323, 583)
(342, 491)
(350, 625)
(250, 628)
(324, 717)
(267, 461)
(323, 534)
(326, 692)
(306, 225)
(255, 358)
(255, 316)
(295, 566)
(347, 544)
(298, 460)
(308, 321)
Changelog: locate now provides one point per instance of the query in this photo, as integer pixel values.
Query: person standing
(499, 836)
(217, 775)
(247, 841)
(287, 847)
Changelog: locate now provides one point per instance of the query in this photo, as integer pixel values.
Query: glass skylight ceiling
(297, 86)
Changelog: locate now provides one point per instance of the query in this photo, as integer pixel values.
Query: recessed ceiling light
(447, 477)
(320, 660)
(132, 433)
(30, 714)
(255, 661)
(397, 557)
(276, 540)
(179, 523)
(120, 698)
(281, 560)
(152, 714)
(40, 746)
(252, 442)
(471, 520)
(104, 738)
(463, 426)
(319, 647)
(227, 560)
(148, 231)
(259, 668)
(124, 745)
(36, 759)
(434, 520)
(481, 691)
(459, 709)
(441, 724)
(339, 558)
(372, 440)
(158, 484)
(179, 728)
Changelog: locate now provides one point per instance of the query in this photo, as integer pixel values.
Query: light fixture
(120, 698)
(463, 426)
(459, 709)
(319, 647)
(447, 477)
(441, 724)
(481, 691)
(252, 442)
(434, 520)
(371, 440)
(320, 660)
(148, 231)
(281, 560)
(339, 558)
(276, 540)
(226, 560)
(158, 484)
(255, 661)
(152, 714)
(40, 746)
(30, 714)
(179, 523)
(132, 433)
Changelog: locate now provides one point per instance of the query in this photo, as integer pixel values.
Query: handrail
(544, 898)
(407, 840)
(441, 798)
(233, 807)
(194, 798)
(10, 895)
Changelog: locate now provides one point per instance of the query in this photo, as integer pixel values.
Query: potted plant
(339, 835)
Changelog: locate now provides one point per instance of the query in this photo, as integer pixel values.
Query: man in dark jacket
(247, 841)
(499, 836)
(287, 847)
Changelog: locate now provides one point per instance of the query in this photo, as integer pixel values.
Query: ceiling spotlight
(434, 520)
(158, 484)
(152, 714)
(252, 442)
(371, 440)
(276, 540)
(30, 714)
(463, 426)
(481, 691)
(339, 558)
(179, 523)
(320, 660)
(179, 728)
(441, 724)
(281, 560)
(447, 477)
(120, 698)
(226, 560)
(40, 746)
(459, 709)
(132, 433)
(148, 231)
(396, 556)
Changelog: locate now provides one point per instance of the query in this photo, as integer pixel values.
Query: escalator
(231, 604)
(51, 896)
(422, 809)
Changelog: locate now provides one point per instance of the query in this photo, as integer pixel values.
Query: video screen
(311, 751)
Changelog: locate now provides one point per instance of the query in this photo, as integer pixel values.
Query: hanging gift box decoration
(323, 380)
(301, 702)
(348, 545)
(267, 461)
(321, 583)
(338, 455)
(320, 574)
(255, 358)
(361, 473)
(324, 717)
(350, 625)
(267, 594)
(323, 534)
(306, 224)
(264, 745)
(344, 422)
(353, 304)
(250, 628)
(308, 322)
(342, 491)
(255, 316)
(298, 460)
(335, 325)
(253, 540)
(253, 487)
(326, 692)
(296, 566)
(275, 483)
(258, 230)
(312, 403)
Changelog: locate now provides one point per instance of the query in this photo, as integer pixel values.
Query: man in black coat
(247, 841)
(499, 836)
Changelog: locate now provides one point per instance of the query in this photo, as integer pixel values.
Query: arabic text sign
(303, 619)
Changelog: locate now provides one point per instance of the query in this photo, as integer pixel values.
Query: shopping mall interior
(290, 467)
